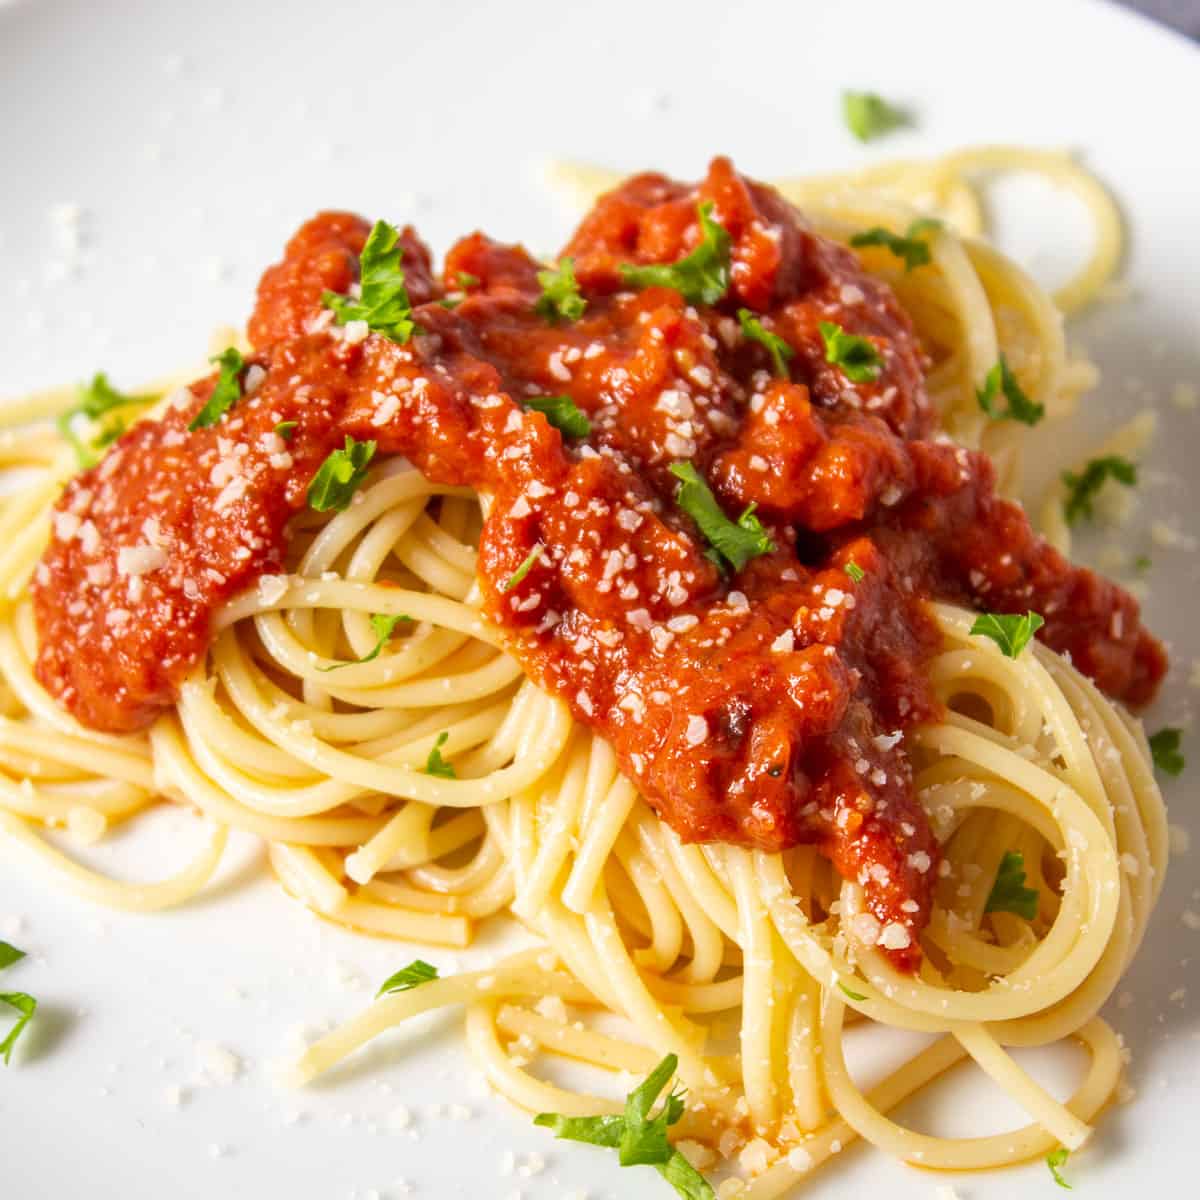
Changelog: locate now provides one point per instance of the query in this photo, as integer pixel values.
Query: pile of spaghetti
(426, 785)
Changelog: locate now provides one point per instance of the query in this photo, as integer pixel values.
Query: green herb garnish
(701, 277)
(435, 764)
(855, 571)
(226, 392)
(25, 1004)
(338, 477)
(858, 358)
(777, 348)
(1164, 749)
(639, 1138)
(732, 543)
(1054, 1160)
(416, 973)
(1009, 893)
(286, 429)
(1082, 488)
(1000, 381)
(561, 298)
(93, 401)
(562, 412)
(1010, 631)
(466, 281)
(911, 246)
(869, 116)
(383, 626)
(523, 569)
(853, 995)
(383, 302)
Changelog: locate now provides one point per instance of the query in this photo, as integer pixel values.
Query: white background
(195, 137)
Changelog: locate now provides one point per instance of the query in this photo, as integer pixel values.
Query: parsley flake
(855, 571)
(1010, 631)
(227, 391)
(1054, 1160)
(1082, 488)
(1164, 749)
(1000, 381)
(383, 302)
(701, 277)
(561, 298)
(338, 477)
(523, 569)
(869, 116)
(466, 281)
(1009, 893)
(853, 995)
(416, 973)
(26, 1005)
(777, 348)
(94, 400)
(639, 1138)
(435, 764)
(562, 412)
(858, 357)
(383, 627)
(732, 543)
(911, 247)
(286, 429)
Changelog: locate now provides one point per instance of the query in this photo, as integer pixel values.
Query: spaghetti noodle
(290, 728)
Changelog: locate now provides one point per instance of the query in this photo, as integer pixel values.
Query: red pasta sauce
(764, 708)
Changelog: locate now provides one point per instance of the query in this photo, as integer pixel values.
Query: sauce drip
(767, 709)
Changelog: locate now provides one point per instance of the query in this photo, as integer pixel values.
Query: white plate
(195, 136)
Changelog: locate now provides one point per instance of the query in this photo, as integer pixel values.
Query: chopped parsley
(777, 348)
(1141, 563)
(1009, 893)
(858, 358)
(416, 973)
(435, 764)
(1164, 749)
(855, 571)
(732, 543)
(639, 1138)
(383, 626)
(701, 277)
(226, 392)
(562, 412)
(1082, 488)
(94, 400)
(869, 116)
(338, 477)
(383, 302)
(1054, 1160)
(561, 298)
(1010, 631)
(523, 569)
(25, 1004)
(466, 281)
(1000, 381)
(286, 430)
(911, 247)
(853, 995)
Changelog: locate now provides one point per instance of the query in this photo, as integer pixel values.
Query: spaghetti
(290, 728)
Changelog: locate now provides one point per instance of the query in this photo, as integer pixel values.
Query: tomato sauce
(767, 708)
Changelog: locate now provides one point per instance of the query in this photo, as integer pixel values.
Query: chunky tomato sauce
(766, 709)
